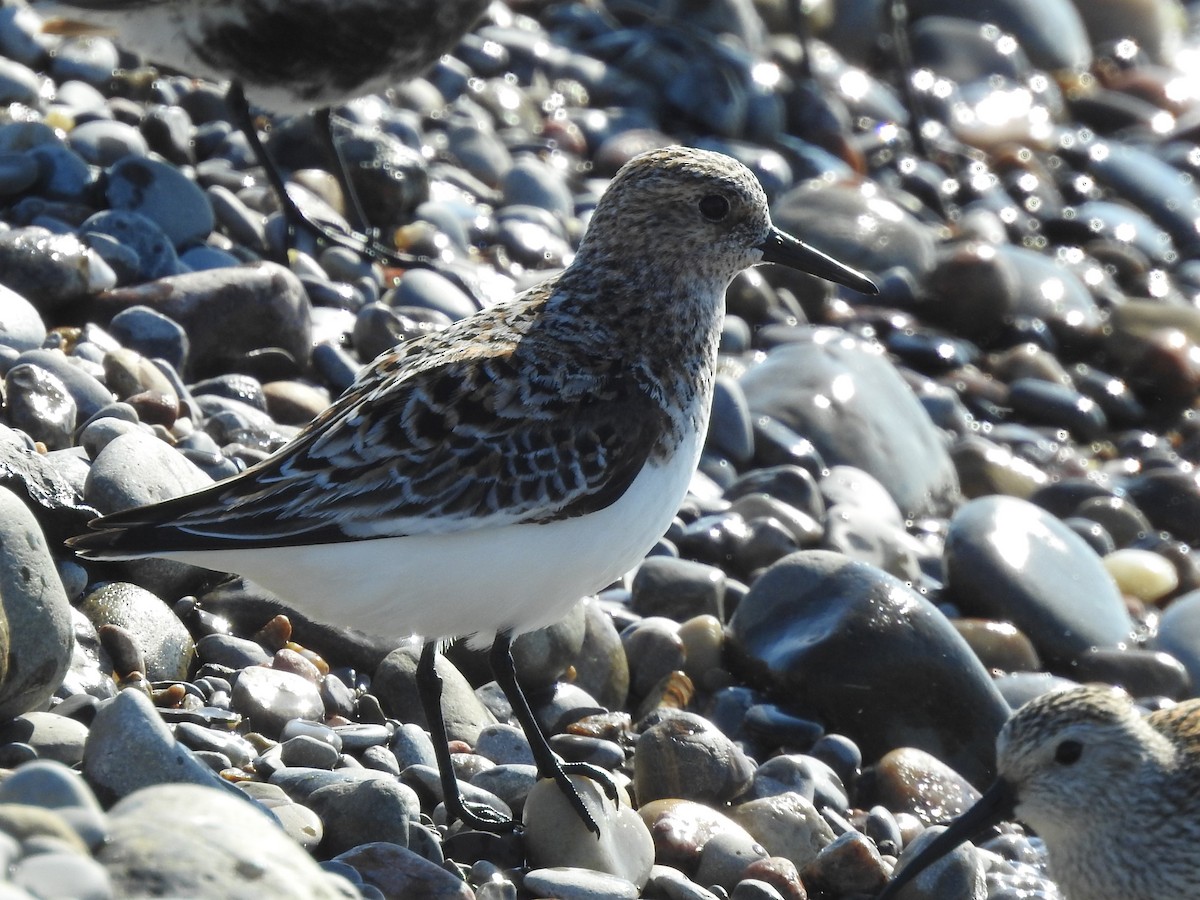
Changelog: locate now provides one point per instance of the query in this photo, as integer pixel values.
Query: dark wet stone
(1170, 499)
(678, 589)
(155, 255)
(1141, 673)
(816, 625)
(1010, 560)
(999, 645)
(878, 426)
(685, 756)
(1045, 403)
(227, 313)
(89, 394)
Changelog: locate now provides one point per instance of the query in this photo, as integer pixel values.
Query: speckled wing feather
(434, 438)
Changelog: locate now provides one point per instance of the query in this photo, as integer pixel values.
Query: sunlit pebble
(1142, 573)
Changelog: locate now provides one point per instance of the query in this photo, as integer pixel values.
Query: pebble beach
(914, 512)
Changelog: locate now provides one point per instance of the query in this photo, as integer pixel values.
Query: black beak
(780, 247)
(994, 806)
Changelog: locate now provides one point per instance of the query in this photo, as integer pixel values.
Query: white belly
(516, 577)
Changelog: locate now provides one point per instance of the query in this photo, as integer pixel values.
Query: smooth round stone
(102, 430)
(542, 656)
(788, 485)
(228, 313)
(162, 638)
(304, 750)
(36, 642)
(426, 289)
(532, 182)
(269, 698)
(426, 780)
(293, 402)
(136, 469)
(39, 404)
(1142, 673)
(504, 744)
(601, 667)
(1142, 573)
(18, 84)
(163, 194)
(555, 835)
(395, 686)
(65, 174)
(1010, 560)
(231, 651)
(817, 623)
(103, 142)
(703, 639)
(89, 394)
(869, 536)
(567, 883)
(1120, 518)
(21, 326)
(796, 773)
(412, 746)
(399, 872)
(678, 589)
(316, 730)
(54, 737)
(753, 889)
(912, 781)
(18, 173)
(362, 736)
(960, 873)
(130, 747)
(681, 829)
(785, 825)
(358, 812)
(850, 865)
(654, 649)
(730, 433)
(184, 840)
(63, 875)
(686, 757)
(236, 748)
(300, 823)
(1179, 633)
(999, 645)
(156, 257)
(852, 404)
(151, 334)
(511, 782)
(52, 785)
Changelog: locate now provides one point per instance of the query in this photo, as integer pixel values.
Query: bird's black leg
(429, 686)
(548, 764)
(295, 217)
(323, 118)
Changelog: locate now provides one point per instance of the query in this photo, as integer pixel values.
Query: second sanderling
(479, 480)
(288, 57)
(1114, 794)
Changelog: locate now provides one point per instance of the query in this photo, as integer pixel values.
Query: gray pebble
(269, 698)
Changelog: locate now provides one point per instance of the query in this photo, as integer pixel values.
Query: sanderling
(479, 480)
(1114, 794)
(288, 57)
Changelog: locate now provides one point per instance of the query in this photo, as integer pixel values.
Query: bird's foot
(479, 816)
(562, 777)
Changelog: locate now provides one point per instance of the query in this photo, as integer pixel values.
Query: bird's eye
(714, 207)
(1068, 752)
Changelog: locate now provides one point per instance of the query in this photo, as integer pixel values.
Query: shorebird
(479, 480)
(288, 56)
(1114, 794)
